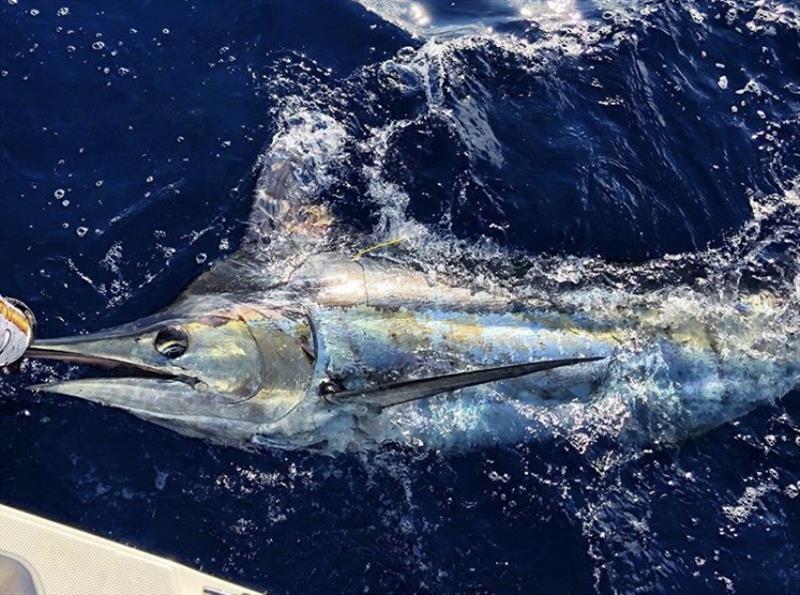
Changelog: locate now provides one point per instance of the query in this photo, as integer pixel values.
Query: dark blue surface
(158, 153)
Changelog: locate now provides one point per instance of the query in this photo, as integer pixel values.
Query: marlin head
(208, 367)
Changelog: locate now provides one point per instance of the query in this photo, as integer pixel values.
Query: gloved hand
(17, 328)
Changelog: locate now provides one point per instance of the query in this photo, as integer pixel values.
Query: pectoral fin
(413, 390)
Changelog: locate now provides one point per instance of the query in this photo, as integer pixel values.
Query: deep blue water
(129, 141)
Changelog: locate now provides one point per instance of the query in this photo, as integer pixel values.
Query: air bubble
(63, 11)
(161, 479)
(82, 231)
(201, 258)
(59, 194)
(405, 54)
(98, 45)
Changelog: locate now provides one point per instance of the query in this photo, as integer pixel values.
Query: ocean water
(545, 146)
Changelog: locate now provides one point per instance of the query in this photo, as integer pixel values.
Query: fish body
(674, 364)
(268, 359)
(309, 347)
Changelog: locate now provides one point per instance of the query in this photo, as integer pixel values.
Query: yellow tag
(365, 251)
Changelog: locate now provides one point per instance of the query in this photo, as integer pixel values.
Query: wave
(559, 141)
(349, 144)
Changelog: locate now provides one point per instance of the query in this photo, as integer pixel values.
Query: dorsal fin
(287, 222)
(293, 175)
(238, 273)
(284, 209)
(413, 390)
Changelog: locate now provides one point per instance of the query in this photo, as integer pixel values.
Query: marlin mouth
(143, 388)
(69, 351)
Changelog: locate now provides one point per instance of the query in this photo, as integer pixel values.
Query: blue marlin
(299, 345)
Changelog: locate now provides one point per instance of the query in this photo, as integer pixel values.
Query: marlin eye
(171, 342)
